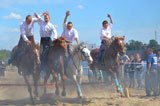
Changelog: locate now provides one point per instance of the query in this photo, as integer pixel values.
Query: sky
(134, 19)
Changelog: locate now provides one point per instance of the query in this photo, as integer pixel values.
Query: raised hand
(67, 13)
(108, 15)
(45, 13)
(35, 14)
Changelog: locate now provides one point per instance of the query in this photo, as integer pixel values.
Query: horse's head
(34, 51)
(85, 53)
(119, 45)
(61, 46)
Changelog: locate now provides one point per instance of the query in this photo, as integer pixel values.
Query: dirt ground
(94, 95)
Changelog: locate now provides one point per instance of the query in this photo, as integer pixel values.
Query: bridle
(82, 54)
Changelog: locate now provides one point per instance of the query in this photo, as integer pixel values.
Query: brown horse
(28, 62)
(55, 63)
(111, 60)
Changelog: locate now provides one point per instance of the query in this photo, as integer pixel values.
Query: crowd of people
(144, 73)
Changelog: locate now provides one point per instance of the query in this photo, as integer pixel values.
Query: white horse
(74, 69)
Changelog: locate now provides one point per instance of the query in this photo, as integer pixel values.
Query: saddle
(101, 52)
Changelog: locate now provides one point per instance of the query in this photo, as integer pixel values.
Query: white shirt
(27, 29)
(70, 35)
(46, 29)
(106, 32)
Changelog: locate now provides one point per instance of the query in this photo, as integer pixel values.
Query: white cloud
(80, 7)
(15, 30)
(13, 16)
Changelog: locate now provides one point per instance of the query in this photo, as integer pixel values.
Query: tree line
(138, 45)
(130, 46)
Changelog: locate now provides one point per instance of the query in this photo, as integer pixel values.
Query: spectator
(131, 72)
(123, 61)
(139, 70)
(151, 79)
(158, 60)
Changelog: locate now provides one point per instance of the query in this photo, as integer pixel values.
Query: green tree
(134, 45)
(5, 55)
(154, 45)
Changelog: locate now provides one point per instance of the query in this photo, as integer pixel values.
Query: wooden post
(122, 68)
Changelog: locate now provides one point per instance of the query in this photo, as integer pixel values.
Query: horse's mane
(58, 40)
(77, 47)
(116, 38)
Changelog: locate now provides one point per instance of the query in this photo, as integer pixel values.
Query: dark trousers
(151, 82)
(102, 49)
(45, 45)
(139, 75)
(131, 79)
(159, 80)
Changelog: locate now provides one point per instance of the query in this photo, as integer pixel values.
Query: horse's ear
(37, 45)
(116, 37)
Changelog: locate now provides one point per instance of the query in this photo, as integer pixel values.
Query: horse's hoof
(32, 102)
(81, 95)
(118, 90)
(80, 100)
(63, 93)
(122, 95)
(37, 98)
(57, 92)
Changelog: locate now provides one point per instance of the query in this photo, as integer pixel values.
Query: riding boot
(100, 57)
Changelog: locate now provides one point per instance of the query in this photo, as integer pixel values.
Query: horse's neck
(29, 55)
(112, 52)
(77, 58)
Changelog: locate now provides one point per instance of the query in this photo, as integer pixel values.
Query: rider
(46, 30)
(26, 29)
(151, 79)
(105, 36)
(69, 33)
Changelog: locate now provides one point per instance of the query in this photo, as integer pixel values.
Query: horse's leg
(115, 79)
(76, 80)
(45, 82)
(55, 76)
(64, 87)
(26, 78)
(120, 85)
(36, 76)
(63, 76)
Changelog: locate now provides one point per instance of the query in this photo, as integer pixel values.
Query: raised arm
(40, 15)
(67, 14)
(109, 16)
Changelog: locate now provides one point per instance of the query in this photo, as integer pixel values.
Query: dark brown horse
(111, 60)
(28, 62)
(55, 63)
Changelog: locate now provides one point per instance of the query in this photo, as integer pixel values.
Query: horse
(74, 70)
(28, 62)
(111, 60)
(97, 69)
(55, 63)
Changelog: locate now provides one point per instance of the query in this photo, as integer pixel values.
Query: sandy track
(94, 95)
